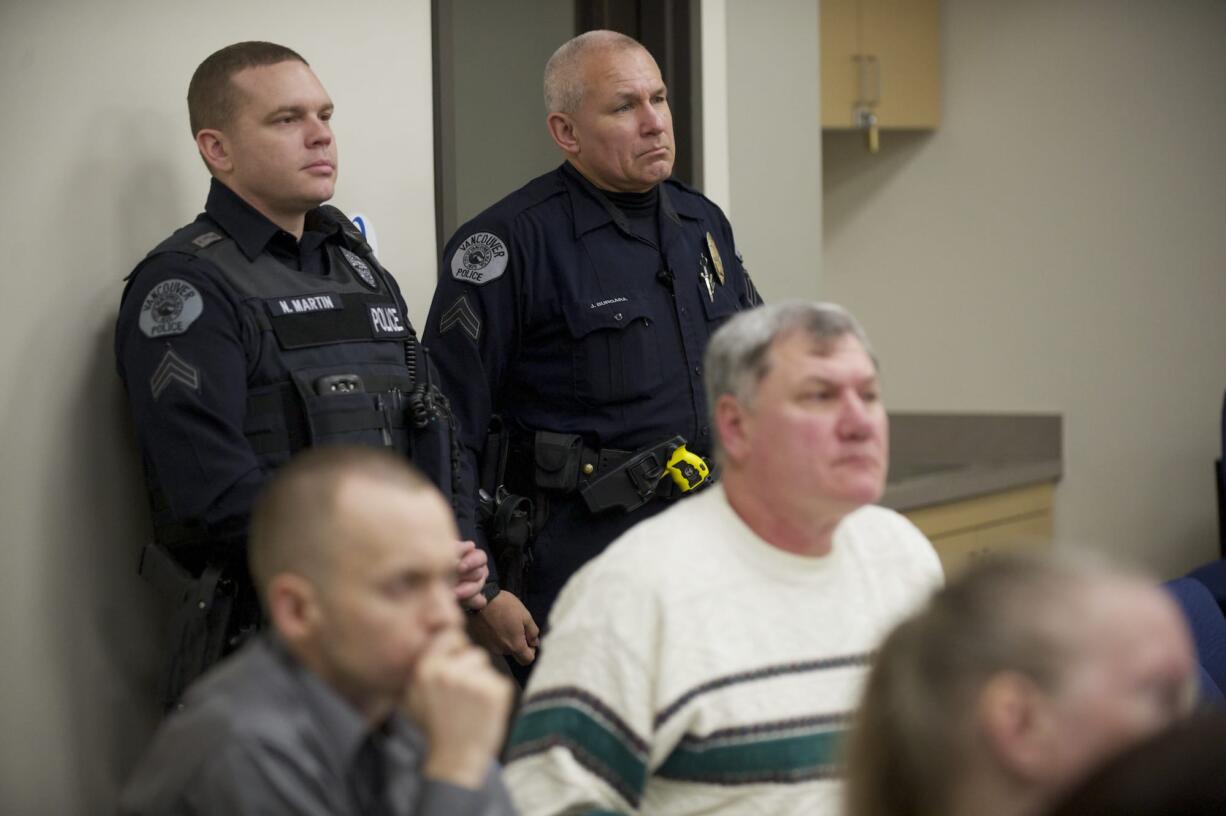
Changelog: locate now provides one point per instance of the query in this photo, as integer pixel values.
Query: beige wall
(1058, 245)
(98, 166)
(773, 142)
(713, 70)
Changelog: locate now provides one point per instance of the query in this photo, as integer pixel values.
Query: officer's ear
(731, 423)
(293, 607)
(215, 150)
(562, 129)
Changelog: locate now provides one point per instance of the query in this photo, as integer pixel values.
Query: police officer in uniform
(263, 327)
(576, 311)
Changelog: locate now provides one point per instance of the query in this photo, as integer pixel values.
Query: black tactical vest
(338, 361)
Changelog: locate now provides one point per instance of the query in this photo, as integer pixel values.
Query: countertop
(943, 457)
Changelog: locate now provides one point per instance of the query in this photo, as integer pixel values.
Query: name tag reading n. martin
(303, 304)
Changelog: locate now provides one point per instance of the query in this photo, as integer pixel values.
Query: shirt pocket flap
(584, 318)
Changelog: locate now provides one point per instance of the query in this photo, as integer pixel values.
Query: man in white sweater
(710, 659)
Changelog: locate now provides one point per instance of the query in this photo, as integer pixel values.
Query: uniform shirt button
(617, 316)
(704, 430)
(588, 469)
(698, 370)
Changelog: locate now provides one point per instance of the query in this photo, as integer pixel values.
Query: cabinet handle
(866, 119)
(865, 116)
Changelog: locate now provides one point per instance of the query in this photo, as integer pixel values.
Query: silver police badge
(169, 308)
(480, 258)
(360, 267)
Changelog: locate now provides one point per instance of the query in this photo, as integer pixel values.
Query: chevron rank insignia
(172, 370)
(461, 314)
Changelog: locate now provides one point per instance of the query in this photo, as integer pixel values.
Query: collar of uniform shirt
(242, 222)
(254, 233)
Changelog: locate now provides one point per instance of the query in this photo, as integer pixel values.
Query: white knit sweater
(694, 668)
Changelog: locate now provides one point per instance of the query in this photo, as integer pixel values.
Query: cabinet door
(1029, 535)
(840, 85)
(1017, 520)
(905, 38)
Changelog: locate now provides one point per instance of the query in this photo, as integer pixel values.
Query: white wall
(774, 142)
(98, 166)
(1058, 245)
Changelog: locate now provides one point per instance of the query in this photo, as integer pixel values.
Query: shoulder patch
(480, 258)
(360, 267)
(170, 308)
(461, 314)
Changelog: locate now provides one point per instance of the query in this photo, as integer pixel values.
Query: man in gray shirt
(365, 697)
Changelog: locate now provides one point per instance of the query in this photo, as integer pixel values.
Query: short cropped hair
(564, 72)
(737, 359)
(212, 98)
(915, 722)
(296, 519)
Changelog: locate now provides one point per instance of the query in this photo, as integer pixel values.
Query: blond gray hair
(564, 71)
(737, 357)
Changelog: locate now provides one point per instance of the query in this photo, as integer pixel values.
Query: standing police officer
(576, 311)
(263, 327)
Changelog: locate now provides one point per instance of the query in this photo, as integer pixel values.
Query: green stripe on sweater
(781, 759)
(600, 750)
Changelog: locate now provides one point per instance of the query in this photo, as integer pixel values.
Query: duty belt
(612, 479)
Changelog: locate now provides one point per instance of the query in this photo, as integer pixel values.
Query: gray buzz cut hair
(737, 360)
(564, 71)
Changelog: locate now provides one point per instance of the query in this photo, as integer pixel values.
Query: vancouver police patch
(360, 267)
(169, 308)
(480, 258)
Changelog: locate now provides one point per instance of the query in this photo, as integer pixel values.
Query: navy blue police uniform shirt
(553, 314)
(188, 392)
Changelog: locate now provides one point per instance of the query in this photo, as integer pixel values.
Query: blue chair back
(1208, 626)
(1213, 576)
(1219, 473)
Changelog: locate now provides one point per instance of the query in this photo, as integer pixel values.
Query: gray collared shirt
(264, 735)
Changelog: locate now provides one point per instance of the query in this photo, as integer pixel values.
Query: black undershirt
(640, 211)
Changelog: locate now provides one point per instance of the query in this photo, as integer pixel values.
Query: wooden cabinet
(1018, 520)
(881, 56)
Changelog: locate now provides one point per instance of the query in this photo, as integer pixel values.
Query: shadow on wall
(114, 650)
(108, 641)
(851, 176)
